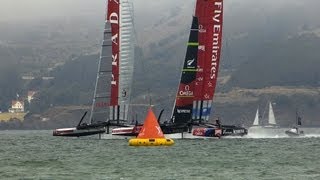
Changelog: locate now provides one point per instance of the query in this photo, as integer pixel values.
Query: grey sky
(28, 9)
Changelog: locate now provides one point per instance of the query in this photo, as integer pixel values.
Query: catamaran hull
(134, 130)
(291, 134)
(73, 132)
(294, 133)
(126, 131)
(181, 132)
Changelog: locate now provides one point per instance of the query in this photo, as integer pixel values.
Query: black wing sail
(182, 111)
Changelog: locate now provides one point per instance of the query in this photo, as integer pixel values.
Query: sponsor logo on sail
(202, 47)
(102, 104)
(186, 91)
(201, 30)
(181, 111)
(216, 41)
(114, 60)
(116, 1)
(113, 80)
(200, 79)
(113, 18)
(190, 62)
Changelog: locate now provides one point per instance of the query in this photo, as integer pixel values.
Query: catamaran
(119, 14)
(82, 129)
(193, 103)
(265, 126)
(112, 92)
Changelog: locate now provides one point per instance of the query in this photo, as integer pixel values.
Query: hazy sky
(39, 9)
(238, 13)
(25, 10)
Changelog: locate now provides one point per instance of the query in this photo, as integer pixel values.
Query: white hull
(128, 135)
(186, 135)
(261, 132)
(125, 131)
(171, 136)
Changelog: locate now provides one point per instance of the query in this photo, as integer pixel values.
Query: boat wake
(311, 136)
(269, 136)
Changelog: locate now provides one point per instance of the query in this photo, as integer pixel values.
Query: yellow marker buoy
(151, 142)
(151, 133)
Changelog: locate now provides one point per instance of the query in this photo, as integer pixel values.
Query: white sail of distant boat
(256, 119)
(271, 119)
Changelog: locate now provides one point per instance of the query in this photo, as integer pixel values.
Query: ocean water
(39, 155)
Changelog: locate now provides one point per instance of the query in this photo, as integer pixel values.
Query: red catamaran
(193, 103)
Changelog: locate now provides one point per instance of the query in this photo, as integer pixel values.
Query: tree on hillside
(10, 84)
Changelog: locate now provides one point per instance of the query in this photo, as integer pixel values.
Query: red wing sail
(210, 16)
(113, 16)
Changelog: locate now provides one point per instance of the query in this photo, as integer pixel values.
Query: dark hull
(78, 132)
(228, 130)
(173, 128)
(166, 129)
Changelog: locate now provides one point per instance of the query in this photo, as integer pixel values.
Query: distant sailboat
(271, 119)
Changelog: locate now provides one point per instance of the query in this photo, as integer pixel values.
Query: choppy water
(38, 155)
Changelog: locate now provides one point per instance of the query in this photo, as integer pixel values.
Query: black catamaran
(114, 77)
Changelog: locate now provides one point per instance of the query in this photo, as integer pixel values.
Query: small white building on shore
(17, 106)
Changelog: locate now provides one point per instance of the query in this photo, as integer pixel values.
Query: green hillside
(291, 62)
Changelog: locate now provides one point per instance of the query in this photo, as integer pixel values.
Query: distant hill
(291, 62)
(73, 85)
